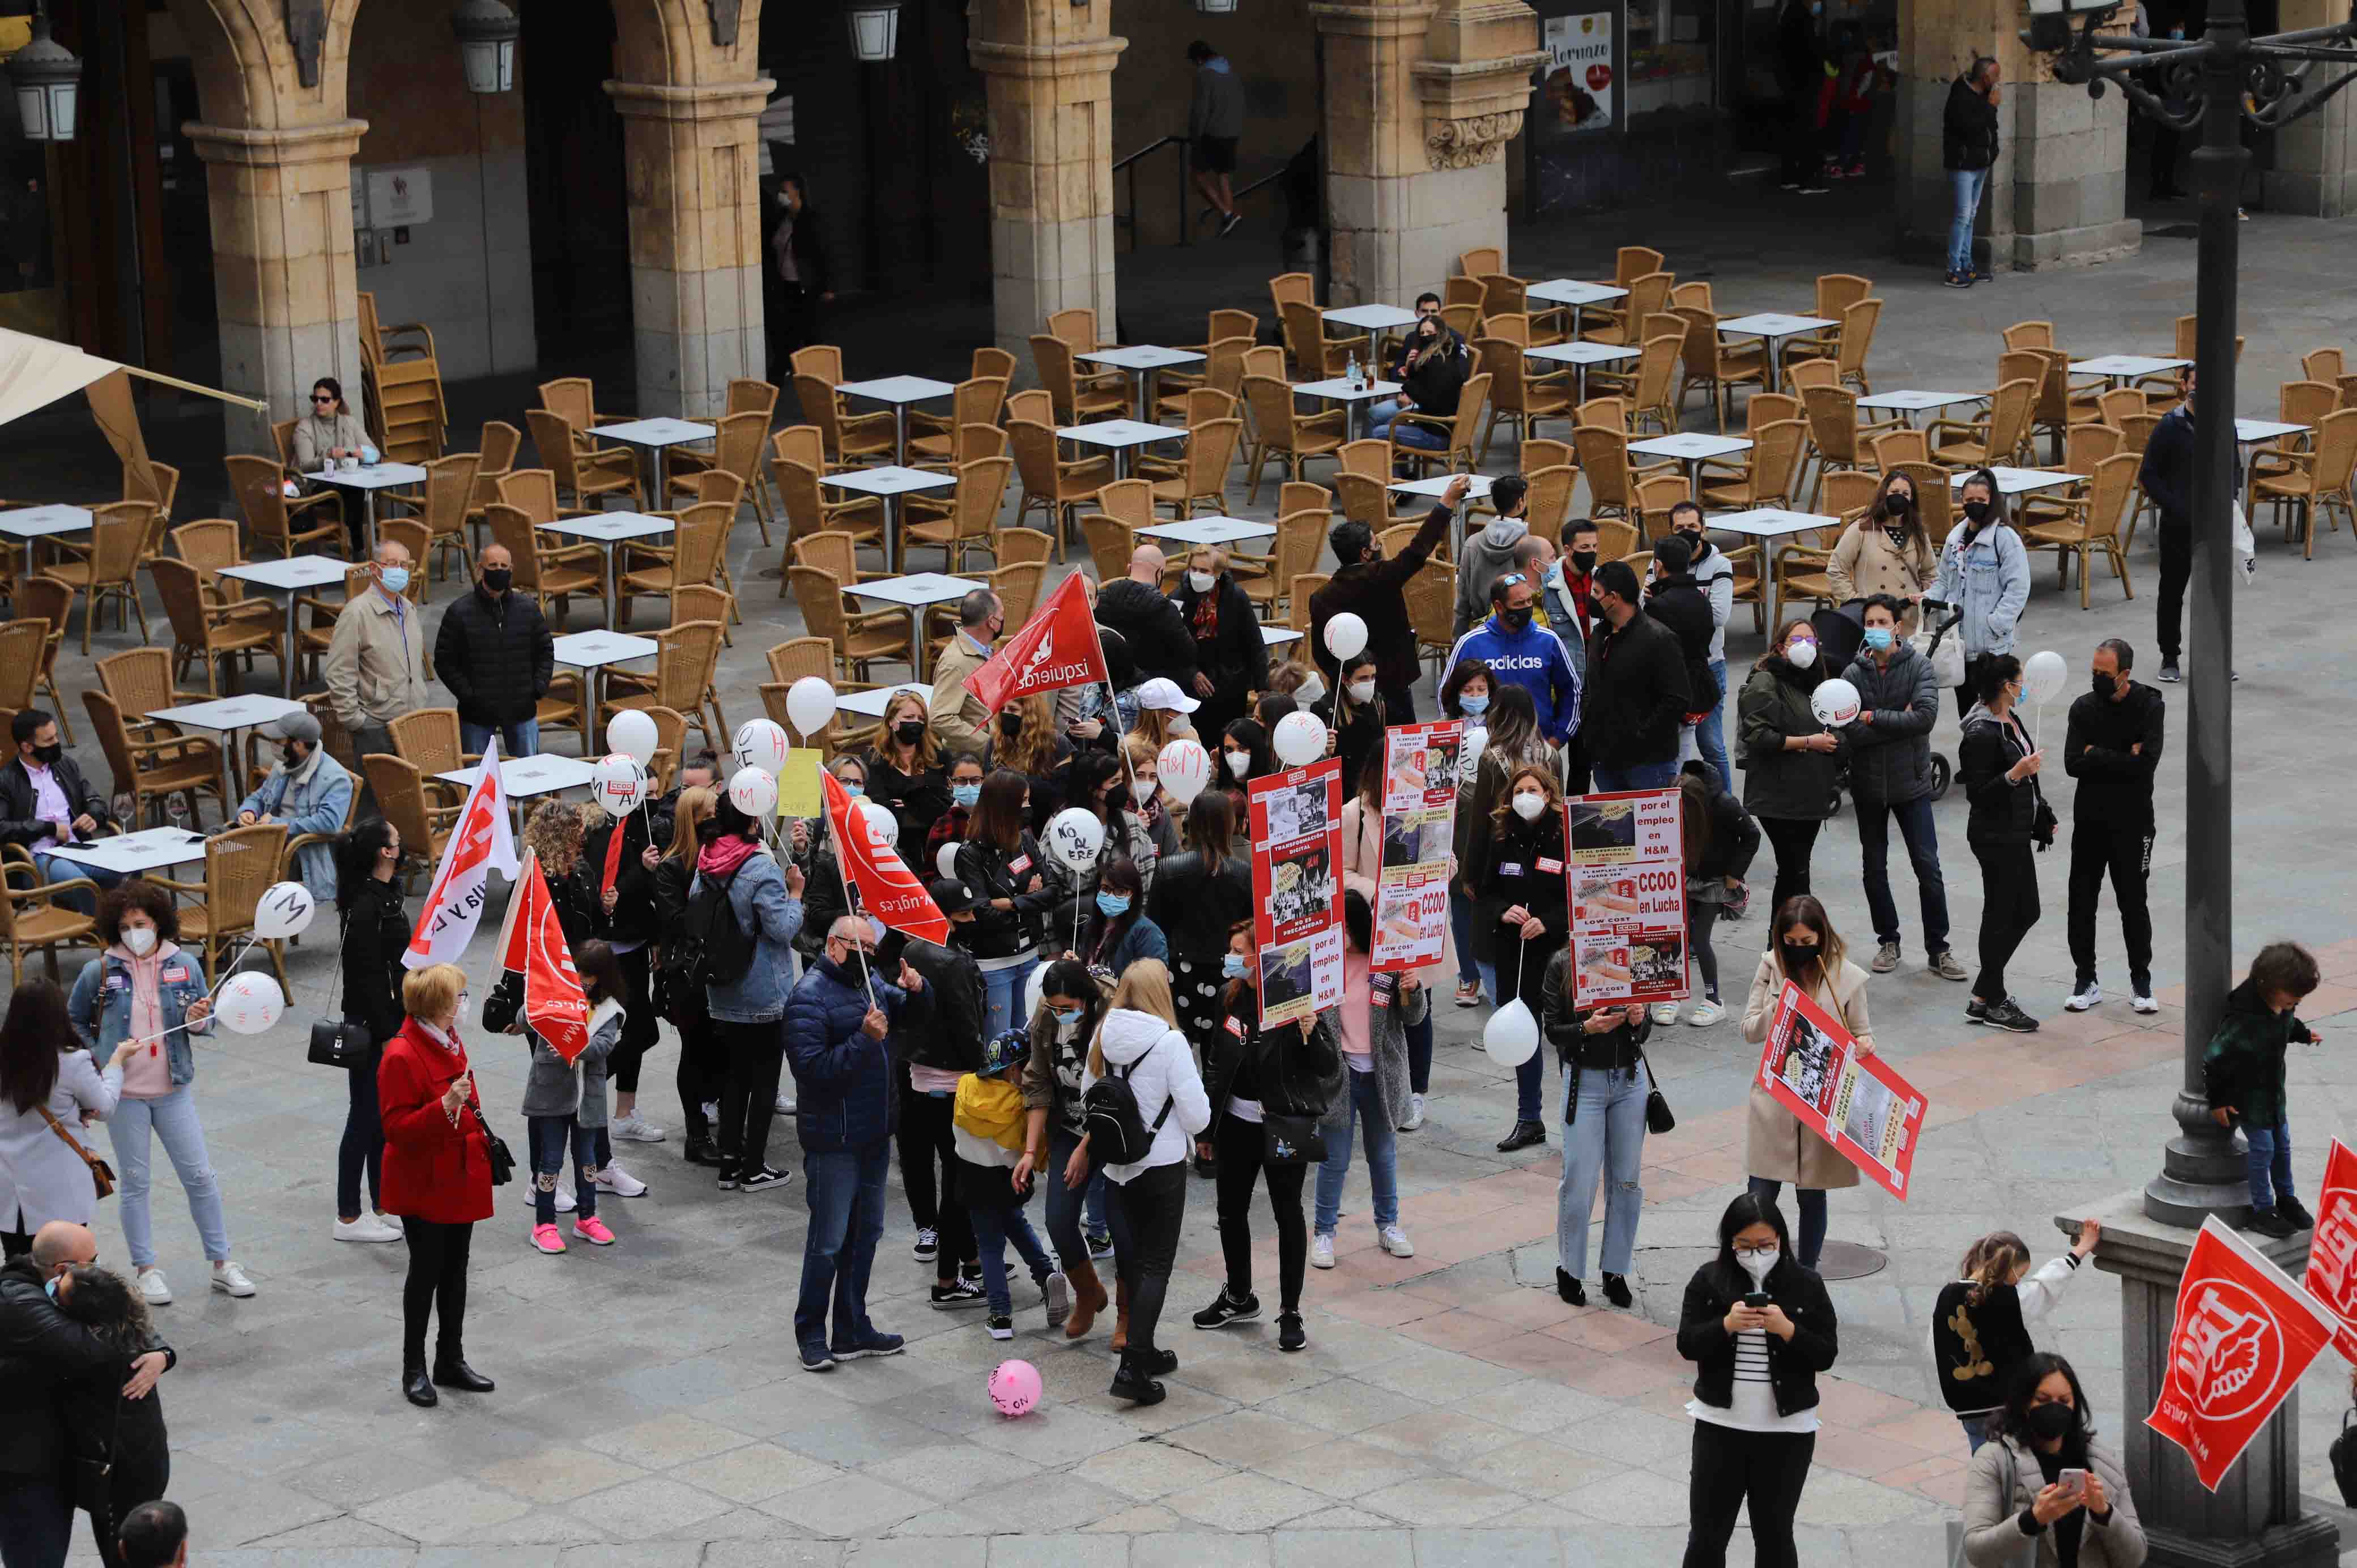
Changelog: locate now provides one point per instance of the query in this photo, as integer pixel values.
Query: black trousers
(2009, 908)
(928, 1145)
(757, 1057)
(640, 1033)
(133, 1481)
(2125, 855)
(1240, 1144)
(1803, 160)
(1399, 704)
(2176, 570)
(36, 1522)
(1732, 1468)
(792, 324)
(1154, 1202)
(1577, 773)
(703, 1075)
(436, 1284)
(1795, 839)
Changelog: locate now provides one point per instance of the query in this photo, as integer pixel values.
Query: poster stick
(848, 898)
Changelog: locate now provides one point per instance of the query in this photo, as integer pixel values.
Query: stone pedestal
(2315, 158)
(2254, 1519)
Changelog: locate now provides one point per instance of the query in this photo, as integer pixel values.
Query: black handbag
(339, 1042)
(1658, 1118)
(1291, 1140)
(495, 1149)
(2343, 1456)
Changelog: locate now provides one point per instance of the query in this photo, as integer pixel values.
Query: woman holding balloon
(1521, 918)
(1794, 757)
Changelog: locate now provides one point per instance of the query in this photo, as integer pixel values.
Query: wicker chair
(1712, 364)
(207, 634)
(973, 510)
(1457, 431)
(240, 865)
(46, 598)
(1769, 474)
(111, 573)
(2000, 438)
(1050, 483)
(1076, 398)
(857, 644)
(400, 800)
(548, 572)
(33, 922)
(155, 766)
(2320, 479)
(686, 656)
(500, 442)
(589, 478)
(693, 559)
(808, 509)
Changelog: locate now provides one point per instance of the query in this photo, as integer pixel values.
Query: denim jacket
(1989, 580)
(106, 1024)
(315, 799)
(771, 915)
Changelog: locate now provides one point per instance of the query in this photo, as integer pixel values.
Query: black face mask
(1797, 957)
(2103, 686)
(291, 758)
(498, 578)
(47, 756)
(1583, 562)
(2049, 1422)
(908, 732)
(1694, 536)
(1978, 512)
(1514, 620)
(1010, 724)
(1900, 502)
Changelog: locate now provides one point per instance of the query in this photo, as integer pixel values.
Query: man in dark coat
(1968, 139)
(1159, 643)
(495, 653)
(1368, 586)
(45, 800)
(2166, 476)
(1678, 602)
(799, 278)
(1637, 693)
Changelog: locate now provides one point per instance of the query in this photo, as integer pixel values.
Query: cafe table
(1582, 355)
(1907, 404)
(32, 524)
(871, 705)
(225, 716)
(1120, 436)
(2118, 370)
(1353, 399)
(1576, 294)
(611, 529)
(2019, 481)
(1694, 449)
(1772, 328)
(913, 593)
(898, 392)
(656, 436)
(133, 854)
(592, 652)
(1142, 361)
(288, 575)
(523, 778)
(1434, 488)
(890, 481)
(364, 481)
(1768, 524)
(1208, 531)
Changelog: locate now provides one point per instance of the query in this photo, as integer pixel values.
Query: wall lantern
(487, 40)
(48, 79)
(1216, 7)
(875, 32)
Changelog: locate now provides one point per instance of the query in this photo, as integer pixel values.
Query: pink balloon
(1014, 1388)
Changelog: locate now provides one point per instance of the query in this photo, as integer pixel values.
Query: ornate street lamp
(875, 32)
(487, 34)
(48, 79)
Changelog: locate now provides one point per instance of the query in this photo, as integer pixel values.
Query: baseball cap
(300, 727)
(1164, 692)
(953, 896)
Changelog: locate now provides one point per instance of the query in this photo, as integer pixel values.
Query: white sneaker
(230, 1280)
(1395, 1241)
(619, 1182)
(2086, 996)
(1321, 1251)
(635, 1129)
(1705, 1013)
(564, 1204)
(785, 1102)
(366, 1227)
(1414, 1114)
(2144, 1004)
(392, 1223)
(1666, 1012)
(153, 1287)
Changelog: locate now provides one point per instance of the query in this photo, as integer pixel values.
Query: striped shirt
(1754, 1407)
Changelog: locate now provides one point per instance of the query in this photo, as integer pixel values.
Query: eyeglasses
(1511, 578)
(321, 397)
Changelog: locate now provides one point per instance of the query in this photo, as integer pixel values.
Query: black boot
(450, 1371)
(417, 1388)
(1131, 1382)
(702, 1152)
(1573, 1292)
(1525, 1136)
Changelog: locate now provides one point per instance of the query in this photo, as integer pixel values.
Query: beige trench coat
(1865, 562)
(1776, 1147)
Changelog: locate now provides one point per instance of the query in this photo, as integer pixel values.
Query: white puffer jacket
(1166, 1070)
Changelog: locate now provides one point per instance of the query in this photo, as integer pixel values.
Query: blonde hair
(687, 820)
(1153, 727)
(554, 832)
(1218, 557)
(1032, 751)
(431, 994)
(886, 747)
(1144, 987)
(1991, 1261)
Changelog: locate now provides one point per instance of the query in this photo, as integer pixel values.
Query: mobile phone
(2072, 1480)
(1756, 1299)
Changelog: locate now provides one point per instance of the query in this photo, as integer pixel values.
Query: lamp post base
(2204, 1170)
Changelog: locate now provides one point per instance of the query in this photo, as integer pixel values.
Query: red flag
(887, 890)
(2244, 1335)
(2333, 1251)
(1058, 646)
(552, 1003)
(479, 844)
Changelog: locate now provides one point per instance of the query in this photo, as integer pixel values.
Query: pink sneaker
(546, 1238)
(592, 1230)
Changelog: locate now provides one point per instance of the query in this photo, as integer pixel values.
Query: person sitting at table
(1433, 366)
(311, 793)
(329, 432)
(957, 714)
(495, 653)
(376, 659)
(45, 801)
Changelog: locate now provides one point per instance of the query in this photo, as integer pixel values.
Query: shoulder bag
(495, 1150)
(101, 1175)
(339, 1042)
(1658, 1118)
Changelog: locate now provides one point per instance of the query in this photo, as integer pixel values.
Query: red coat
(432, 1170)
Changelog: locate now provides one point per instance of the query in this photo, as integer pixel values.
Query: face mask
(1758, 1262)
(2104, 687)
(1235, 967)
(1071, 1017)
(851, 789)
(47, 756)
(1362, 691)
(1514, 620)
(909, 732)
(1879, 638)
(140, 939)
(1200, 580)
(1110, 904)
(395, 579)
(1238, 762)
(965, 794)
(497, 578)
(1583, 562)
(1797, 956)
(1977, 511)
(1473, 704)
(1901, 503)
(1142, 790)
(1310, 691)
(50, 1285)
(2050, 1421)
(1010, 724)
(1800, 655)
(1528, 805)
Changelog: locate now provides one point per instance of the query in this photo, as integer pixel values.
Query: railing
(1128, 165)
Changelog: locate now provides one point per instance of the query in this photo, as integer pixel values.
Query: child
(1980, 1328)
(565, 1104)
(2243, 1072)
(988, 1126)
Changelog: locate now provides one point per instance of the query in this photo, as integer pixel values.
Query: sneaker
(1395, 1241)
(1001, 1326)
(391, 1222)
(817, 1357)
(957, 1292)
(565, 1201)
(875, 1343)
(1099, 1243)
(635, 1129)
(1886, 958)
(1705, 1013)
(1981, 274)
(768, 1178)
(592, 1230)
(1225, 1309)
(929, 1243)
(619, 1182)
(1666, 1012)
(2007, 1014)
(784, 1104)
(2271, 1222)
(1469, 994)
(2142, 1001)
(1836, 171)
(545, 1238)
(727, 1182)
(154, 1288)
(1573, 1293)
(1616, 1290)
(1975, 1010)
(1959, 280)
(1943, 964)
(1791, 185)
(1321, 1251)
(1815, 186)
(2171, 674)
(1290, 1334)
(1414, 1114)
(1858, 168)
(230, 1280)
(2296, 1211)
(1230, 226)
(2089, 994)
(366, 1227)
(1057, 1290)
(1523, 1136)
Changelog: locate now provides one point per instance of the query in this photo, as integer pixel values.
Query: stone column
(1049, 66)
(2315, 158)
(692, 182)
(1421, 98)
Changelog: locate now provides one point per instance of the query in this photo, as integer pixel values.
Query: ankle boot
(1121, 1314)
(1131, 1382)
(451, 1371)
(417, 1388)
(1087, 1297)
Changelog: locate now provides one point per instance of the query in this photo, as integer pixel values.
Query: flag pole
(844, 876)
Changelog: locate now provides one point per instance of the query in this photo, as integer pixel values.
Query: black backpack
(710, 947)
(1117, 1130)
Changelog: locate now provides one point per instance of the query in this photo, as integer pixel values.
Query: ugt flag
(2244, 1335)
(2333, 1251)
(1057, 647)
(480, 843)
(553, 1005)
(887, 890)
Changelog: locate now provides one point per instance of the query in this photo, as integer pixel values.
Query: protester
(1795, 760)
(703, 1051)
(1888, 551)
(932, 1047)
(1056, 1135)
(1519, 653)
(763, 903)
(1163, 715)
(1245, 754)
(956, 714)
(2242, 1078)
(1521, 916)
(1638, 694)
(2166, 475)
(1374, 587)
(1465, 697)
(1606, 1084)
(1714, 576)
(1362, 866)
(1980, 1325)
(988, 1126)
(2112, 748)
(965, 775)
(1231, 657)
(49, 1096)
(1379, 1014)
(1804, 949)
(45, 802)
(437, 1175)
(1355, 717)
(1215, 123)
(2014, 1491)
(565, 1104)
(1095, 782)
(1115, 930)
(1153, 811)
(310, 792)
(1968, 142)
(144, 992)
(826, 891)
(1719, 839)
(1676, 601)
(1984, 574)
(1197, 899)
(1998, 766)
(1431, 369)
(1004, 866)
(1567, 595)
(1489, 554)
(375, 668)
(1759, 1326)
(155, 1535)
(614, 877)
(1890, 776)
(495, 653)
(1024, 741)
(1135, 607)
(375, 933)
(113, 1416)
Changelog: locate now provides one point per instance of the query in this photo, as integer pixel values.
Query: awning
(36, 371)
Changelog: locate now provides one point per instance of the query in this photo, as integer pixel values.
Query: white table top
(2016, 481)
(289, 574)
(542, 773)
(1918, 400)
(1772, 522)
(890, 480)
(1432, 488)
(871, 705)
(369, 476)
(898, 389)
(590, 649)
(40, 521)
(1583, 353)
(1209, 529)
(2125, 365)
(1339, 389)
(1771, 324)
(229, 713)
(1691, 444)
(919, 588)
(1570, 291)
(1373, 318)
(610, 527)
(1141, 357)
(1121, 433)
(2247, 430)
(151, 849)
(659, 431)
(1271, 636)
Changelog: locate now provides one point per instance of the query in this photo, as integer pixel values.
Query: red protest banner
(1058, 646)
(2333, 1251)
(887, 890)
(553, 1004)
(1297, 861)
(2244, 1335)
(1811, 1065)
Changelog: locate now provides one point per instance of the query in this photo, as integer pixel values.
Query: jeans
(1794, 838)
(1423, 438)
(362, 1149)
(437, 1281)
(2009, 908)
(994, 1228)
(79, 900)
(521, 738)
(1701, 916)
(1731, 1467)
(2269, 1160)
(551, 1135)
(845, 1190)
(1366, 1106)
(1637, 776)
(173, 1118)
(1527, 1076)
(756, 1055)
(1240, 1145)
(1068, 1207)
(1967, 185)
(1151, 1206)
(1003, 990)
(36, 1522)
(2126, 855)
(1460, 932)
(928, 1140)
(2176, 572)
(1915, 826)
(1604, 1135)
(1810, 1200)
(1975, 1432)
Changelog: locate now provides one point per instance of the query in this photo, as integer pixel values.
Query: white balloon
(946, 862)
(1074, 836)
(249, 1003)
(285, 910)
(1035, 993)
(753, 792)
(618, 783)
(2042, 675)
(760, 744)
(1184, 767)
(810, 702)
(1346, 635)
(1511, 1034)
(883, 827)
(1836, 702)
(632, 734)
(1299, 740)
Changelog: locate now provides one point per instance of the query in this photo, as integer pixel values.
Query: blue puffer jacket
(772, 916)
(843, 1079)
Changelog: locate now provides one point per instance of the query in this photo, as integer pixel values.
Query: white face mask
(1529, 804)
(1142, 790)
(1238, 762)
(1200, 580)
(1801, 655)
(139, 940)
(1757, 1261)
(1362, 691)
(1310, 691)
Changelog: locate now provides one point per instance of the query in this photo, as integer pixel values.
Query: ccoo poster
(1628, 889)
(1296, 862)
(1859, 1105)
(1420, 771)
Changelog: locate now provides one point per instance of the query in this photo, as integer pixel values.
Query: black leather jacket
(1288, 1074)
(1195, 908)
(1792, 1368)
(375, 933)
(19, 800)
(52, 1369)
